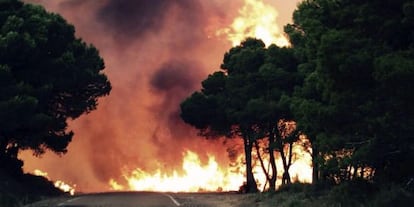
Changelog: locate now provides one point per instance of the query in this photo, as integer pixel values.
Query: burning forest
(156, 54)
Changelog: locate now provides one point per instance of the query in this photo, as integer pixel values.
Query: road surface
(114, 199)
(147, 199)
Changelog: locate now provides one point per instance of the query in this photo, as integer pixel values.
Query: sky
(156, 54)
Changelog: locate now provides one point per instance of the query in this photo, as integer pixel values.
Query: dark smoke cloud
(135, 18)
(173, 81)
(176, 75)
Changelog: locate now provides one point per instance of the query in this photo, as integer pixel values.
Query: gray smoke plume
(156, 54)
(174, 81)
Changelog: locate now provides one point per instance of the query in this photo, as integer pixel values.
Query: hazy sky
(156, 53)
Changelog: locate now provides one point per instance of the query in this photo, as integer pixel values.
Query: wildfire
(196, 177)
(256, 19)
(301, 169)
(210, 177)
(58, 184)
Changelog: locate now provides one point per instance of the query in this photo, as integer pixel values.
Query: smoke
(173, 81)
(156, 54)
(127, 19)
(174, 75)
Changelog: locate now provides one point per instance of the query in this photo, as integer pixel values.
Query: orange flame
(58, 184)
(210, 177)
(65, 187)
(256, 19)
(196, 177)
(38, 172)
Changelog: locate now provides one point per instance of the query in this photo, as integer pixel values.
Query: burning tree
(246, 99)
(47, 76)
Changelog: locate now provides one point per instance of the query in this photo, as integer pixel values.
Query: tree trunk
(315, 165)
(3, 146)
(362, 172)
(289, 163)
(272, 160)
(251, 185)
(290, 153)
(266, 172)
(286, 175)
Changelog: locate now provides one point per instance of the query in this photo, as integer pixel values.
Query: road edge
(172, 199)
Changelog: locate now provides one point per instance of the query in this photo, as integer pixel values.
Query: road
(113, 199)
(147, 199)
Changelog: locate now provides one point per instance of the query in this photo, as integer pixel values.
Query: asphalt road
(150, 199)
(116, 199)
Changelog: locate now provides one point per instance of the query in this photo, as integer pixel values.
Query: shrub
(392, 195)
(8, 200)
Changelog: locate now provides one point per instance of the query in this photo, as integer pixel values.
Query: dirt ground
(216, 200)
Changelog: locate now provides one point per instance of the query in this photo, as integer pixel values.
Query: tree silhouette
(218, 109)
(354, 105)
(47, 76)
(247, 99)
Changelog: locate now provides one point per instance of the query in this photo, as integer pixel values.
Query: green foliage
(251, 90)
(354, 103)
(228, 100)
(47, 76)
(346, 80)
(225, 94)
(204, 113)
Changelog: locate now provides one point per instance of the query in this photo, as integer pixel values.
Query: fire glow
(195, 177)
(256, 19)
(137, 128)
(210, 177)
(58, 183)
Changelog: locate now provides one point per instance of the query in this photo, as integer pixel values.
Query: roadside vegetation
(346, 194)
